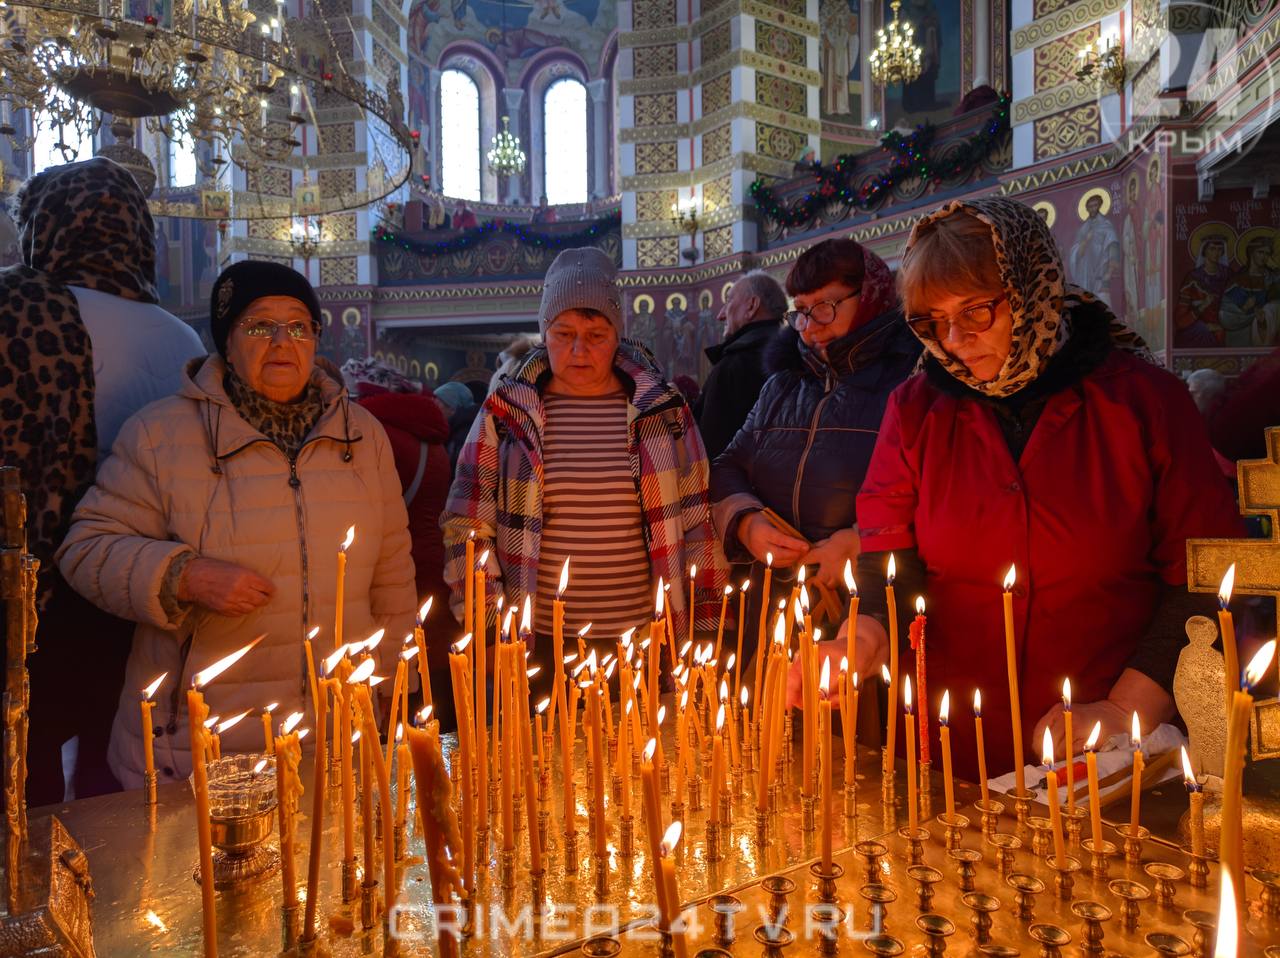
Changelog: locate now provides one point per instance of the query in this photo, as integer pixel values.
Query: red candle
(922, 689)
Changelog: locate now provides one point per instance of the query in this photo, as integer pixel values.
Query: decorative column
(600, 137)
(512, 99)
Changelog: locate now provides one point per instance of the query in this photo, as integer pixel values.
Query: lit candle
(148, 730)
(317, 811)
(761, 646)
(462, 709)
(917, 637)
(671, 892)
(288, 752)
(593, 705)
(824, 724)
(424, 668)
(348, 790)
(340, 589)
(693, 572)
(526, 754)
(402, 772)
(626, 703)
(913, 800)
(810, 694)
(724, 609)
(1225, 943)
(944, 730)
(1011, 662)
(655, 651)
(890, 755)
(469, 585)
(653, 818)
(717, 766)
(849, 720)
(1095, 802)
(1226, 624)
(1195, 791)
(1231, 838)
(982, 748)
(742, 615)
(1055, 811)
(268, 740)
(735, 758)
(1135, 796)
(851, 633)
(1071, 752)
(480, 702)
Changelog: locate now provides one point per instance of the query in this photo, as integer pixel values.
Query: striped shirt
(591, 515)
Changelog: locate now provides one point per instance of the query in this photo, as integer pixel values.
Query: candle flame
(207, 675)
(361, 673)
(426, 609)
(650, 747)
(944, 710)
(271, 708)
(684, 649)
(854, 679)
(893, 569)
(742, 696)
(609, 669)
(461, 645)
(919, 605)
(355, 737)
(377, 680)
(1188, 773)
(1135, 734)
(844, 664)
(884, 674)
(802, 575)
(627, 638)
(314, 632)
(409, 653)
(570, 658)
(482, 561)
(746, 584)
(292, 722)
(730, 661)
(724, 689)
(768, 559)
(779, 630)
(804, 599)
(658, 597)
(400, 730)
(526, 617)
(728, 590)
(1091, 745)
(629, 704)
(720, 718)
(1228, 584)
(1010, 578)
(662, 714)
(1225, 944)
(506, 623)
(672, 838)
(257, 769)
(824, 679)
(850, 582)
(372, 642)
(1066, 694)
(1258, 665)
(303, 733)
(331, 661)
(1046, 751)
(428, 712)
(684, 699)
(351, 537)
(423, 716)
(150, 690)
(212, 720)
(233, 721)
(977, 703)
(582, 632)
(543, 706)
(564, 579)
(906, 694)
(154, 920)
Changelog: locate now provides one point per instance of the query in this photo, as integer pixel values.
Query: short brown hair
(831, 261)
(950, 255)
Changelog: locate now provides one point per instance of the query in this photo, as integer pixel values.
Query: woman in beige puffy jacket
(218, 518)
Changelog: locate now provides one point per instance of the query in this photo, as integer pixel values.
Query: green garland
(913, 157)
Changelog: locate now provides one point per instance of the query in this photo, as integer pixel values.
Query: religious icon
(1129, 244)
(1196, 321)
(1250, 313)
(215, 204)
(1095, 254)
(1046, 212)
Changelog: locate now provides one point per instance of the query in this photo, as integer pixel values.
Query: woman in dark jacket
(806, 444)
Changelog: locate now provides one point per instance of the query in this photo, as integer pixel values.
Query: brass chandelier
(505, 156)
(220, 75)
(896, 58)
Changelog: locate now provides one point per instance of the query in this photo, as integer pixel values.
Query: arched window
(182, 157)
(565, 151)
(56, 144)
(459, 136)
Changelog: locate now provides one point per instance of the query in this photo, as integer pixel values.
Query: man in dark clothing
(752, 315)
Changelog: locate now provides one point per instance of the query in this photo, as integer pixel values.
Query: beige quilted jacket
(188, 474)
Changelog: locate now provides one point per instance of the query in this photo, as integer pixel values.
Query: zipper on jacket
(808, 445)
(296, 484)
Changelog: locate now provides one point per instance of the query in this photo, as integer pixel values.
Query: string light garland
(913, 157)
(519, 231)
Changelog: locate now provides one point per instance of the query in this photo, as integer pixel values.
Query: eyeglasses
(977, 318)
(824, 314)
(297, 330)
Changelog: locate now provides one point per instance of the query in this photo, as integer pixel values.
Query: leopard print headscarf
(1030, 268)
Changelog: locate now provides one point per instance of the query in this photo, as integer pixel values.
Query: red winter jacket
(415, 425)
(1116, 475)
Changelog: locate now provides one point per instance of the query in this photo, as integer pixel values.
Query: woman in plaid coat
(585, 453)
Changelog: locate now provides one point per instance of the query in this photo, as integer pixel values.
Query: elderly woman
(1040, 434)
(219, 514)
(585, 453)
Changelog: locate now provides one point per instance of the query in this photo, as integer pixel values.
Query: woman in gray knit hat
(584, 452)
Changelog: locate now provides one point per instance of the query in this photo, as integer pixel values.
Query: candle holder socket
(626, 837)
(937, 929)
(368, 903)
(695, 793)
(493, 796)
(616, 789)
(1041, 836)
(990, 811)
(967, 861)
(983, 907)
(1051, 939)
(601, 946)
(878, 898)
(925, 877)
(915, 839)
(482, 846)
(954, 826)
(544, 825)
(774, 938)
(762, 827)
(1073, 819)
(664, 776)
(1269, 894)
(925, 790)
(1198, 872)
(571, 852)
(149, 788)
(677, 812)
(826, 880)
(1064, 881)
(883, 946)
(1166, 876)
(602, 876)
(538, 881)
(1025, 888)
(851, 800)
(726, 808)
(1006, 846)
(778, 888)
(736, 778)
(808, 813)
(1021, 809)
(350, 887)
(508, 863)
(1205, 924)
(1092, 914)
(713, 842)
(1099, 856)
(399, 841)
(827, 918)
(726, 909)
(1132, 895)
(1133, 839)
(872, 854)
(376, 811)
(1164, 943)
(289, 925)
(308, 946)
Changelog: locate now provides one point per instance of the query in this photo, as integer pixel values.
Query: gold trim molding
(759, 113)
(1053, 100)
(654, 134)
(657, 37)
(750, 162)
(1062, 22)
(673, 83)
(759, 62)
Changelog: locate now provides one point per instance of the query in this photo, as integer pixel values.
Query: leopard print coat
(1031, 269)
(82, 224)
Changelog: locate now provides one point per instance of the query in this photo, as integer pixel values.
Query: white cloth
(139, 351)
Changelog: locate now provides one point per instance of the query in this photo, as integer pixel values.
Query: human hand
(224, 587)
(830, 555)
(760, 538)
(1084, 715)
(872, 650)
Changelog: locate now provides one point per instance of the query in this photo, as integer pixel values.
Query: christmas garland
(913, 157)
(521, 231)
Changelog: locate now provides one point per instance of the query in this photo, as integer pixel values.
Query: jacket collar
(749, 336)
(862, 352)
(228, 433)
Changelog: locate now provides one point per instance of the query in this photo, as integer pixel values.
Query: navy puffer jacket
(806, 444)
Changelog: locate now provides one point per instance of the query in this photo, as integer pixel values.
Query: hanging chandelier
(222, 77)
(505, 156)
(896, 58)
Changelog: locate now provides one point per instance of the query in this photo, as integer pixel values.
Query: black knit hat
(241, 283)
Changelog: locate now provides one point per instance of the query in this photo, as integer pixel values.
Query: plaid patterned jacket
(497, 489)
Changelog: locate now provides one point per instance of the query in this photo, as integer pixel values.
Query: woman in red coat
(1039, 434)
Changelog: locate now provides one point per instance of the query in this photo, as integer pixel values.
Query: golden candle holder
(937, 930)
(508, 868)
(1205, 924)
(1092, 915)
(1197, 871)
(808, 813)
(1165, 875)
(726, 809)
(1073, 820)
(826, 880)
(571, 851)
(883, 946)
(602, 876)
(493, 795)
(778, 888)
(242, 805)
(544, 822)
(1064, 880)
(990, 810)
(1099, 856)
(538, 883)
(967, 860)
(368, 903)
(1269, 895)
(762, 827)
(774, 938)
(289, 925)
(399, 840)
(954, 826)
(1132, 895)
(872, 854)
(626, 839)
(1133, 840)
(737, 781)
(1006, 846)
(615, 784)
(601, 946)
(350, 887)
(482, 845)
(982, 908)
(665, 777)
(851, 800)
(149, 788)
(677, 812)
(915, 839)
(1021, 809)
(695, 793)
(1041, 835)
(1025, 889)
(878, 898)
(713, 842)
(725, 907)
(925, 877)
(1051, 939)
(1166, 944)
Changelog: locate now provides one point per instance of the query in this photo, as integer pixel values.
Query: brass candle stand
(1133, 840)
(826, 880)
(915, 839)
(990, 811)
(1093, 915)
(1099, 856)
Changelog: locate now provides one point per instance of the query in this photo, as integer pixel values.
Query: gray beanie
(584, 278)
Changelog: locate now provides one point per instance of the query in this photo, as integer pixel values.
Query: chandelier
(221, 77)
(896, 58)
(305, 237)
(505, 156)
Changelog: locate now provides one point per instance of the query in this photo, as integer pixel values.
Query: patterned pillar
(599, 92)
